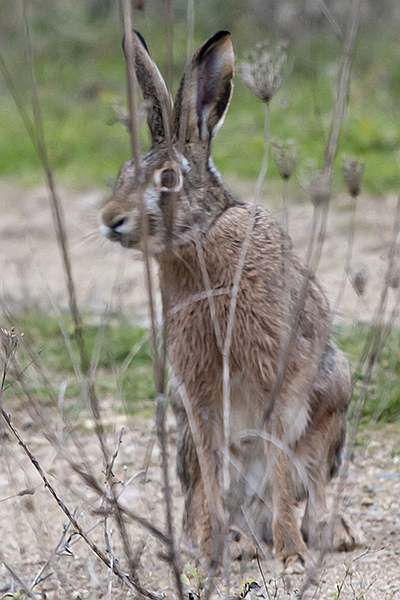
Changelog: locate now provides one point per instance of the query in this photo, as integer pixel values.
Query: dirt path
(106, 275)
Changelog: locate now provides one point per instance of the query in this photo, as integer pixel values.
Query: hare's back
(274, 289)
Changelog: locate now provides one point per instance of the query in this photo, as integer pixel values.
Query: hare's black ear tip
(141, 38)
(220, 35)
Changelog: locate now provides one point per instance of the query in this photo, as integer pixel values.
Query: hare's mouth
(114, 234)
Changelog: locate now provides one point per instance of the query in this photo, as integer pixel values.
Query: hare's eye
(168, 178)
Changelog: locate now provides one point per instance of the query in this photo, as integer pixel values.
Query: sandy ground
(33, 530)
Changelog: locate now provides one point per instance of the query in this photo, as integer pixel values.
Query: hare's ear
(154, 90)
(205, 91)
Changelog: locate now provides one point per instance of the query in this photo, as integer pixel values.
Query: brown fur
(304, 433)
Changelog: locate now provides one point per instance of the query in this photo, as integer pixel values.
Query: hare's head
(174, 190)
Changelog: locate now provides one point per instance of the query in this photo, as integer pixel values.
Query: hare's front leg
(188, 470)
(198, 444)
(208, 445)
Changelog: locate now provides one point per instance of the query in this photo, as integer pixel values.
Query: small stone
(367, 502)
(359, 281)
(388, 475)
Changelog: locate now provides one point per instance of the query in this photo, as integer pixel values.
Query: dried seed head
(262, 73)
(9, 341)
(319, 188)
(393, 277)
(285, 155)
(352, 171)
(359, 281)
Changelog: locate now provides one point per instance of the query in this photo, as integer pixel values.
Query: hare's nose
(118, 223)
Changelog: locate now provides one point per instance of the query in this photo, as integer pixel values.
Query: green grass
(80, 72)
(383, 395)
(125, 374)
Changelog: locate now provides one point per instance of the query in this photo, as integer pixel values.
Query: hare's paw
(345, 536)
(293, 564)
(241, 546)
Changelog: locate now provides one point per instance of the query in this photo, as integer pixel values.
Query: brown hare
(285, 441)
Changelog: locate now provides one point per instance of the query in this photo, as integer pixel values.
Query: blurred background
(80, 74)
(81, 78)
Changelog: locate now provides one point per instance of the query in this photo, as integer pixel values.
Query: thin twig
(16, 576)
(117, 570)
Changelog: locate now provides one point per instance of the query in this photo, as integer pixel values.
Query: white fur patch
(104, 230)
(151, 200)
(213, 169)
(185, 165)
(295, 417)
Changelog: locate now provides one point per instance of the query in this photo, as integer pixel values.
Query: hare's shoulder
(266, 232)
(269, 259)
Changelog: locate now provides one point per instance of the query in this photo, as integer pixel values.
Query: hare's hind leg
(320, 451)
(322, 445)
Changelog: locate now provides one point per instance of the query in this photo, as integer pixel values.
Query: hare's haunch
(287, 418)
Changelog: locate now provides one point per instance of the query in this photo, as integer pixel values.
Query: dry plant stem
(23, 586)
(189, 53)
(340, 100)
(59, 225)
(110, 466)
(226, 346)
(190, 30)
(331, 19)
(200, 454)
(160, 361)
(349, 254)
(135, 149)
(169, 78)
(197, 297)
(130, 89)
(380, 334)
(109, 549)
(262, 575)
(233, 303)
(131, 584)
(320, 214)
(162, 401)
(26, 492)
(58, 218)
(57, 211)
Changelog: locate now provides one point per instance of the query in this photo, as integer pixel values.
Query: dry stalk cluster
(263, 74)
